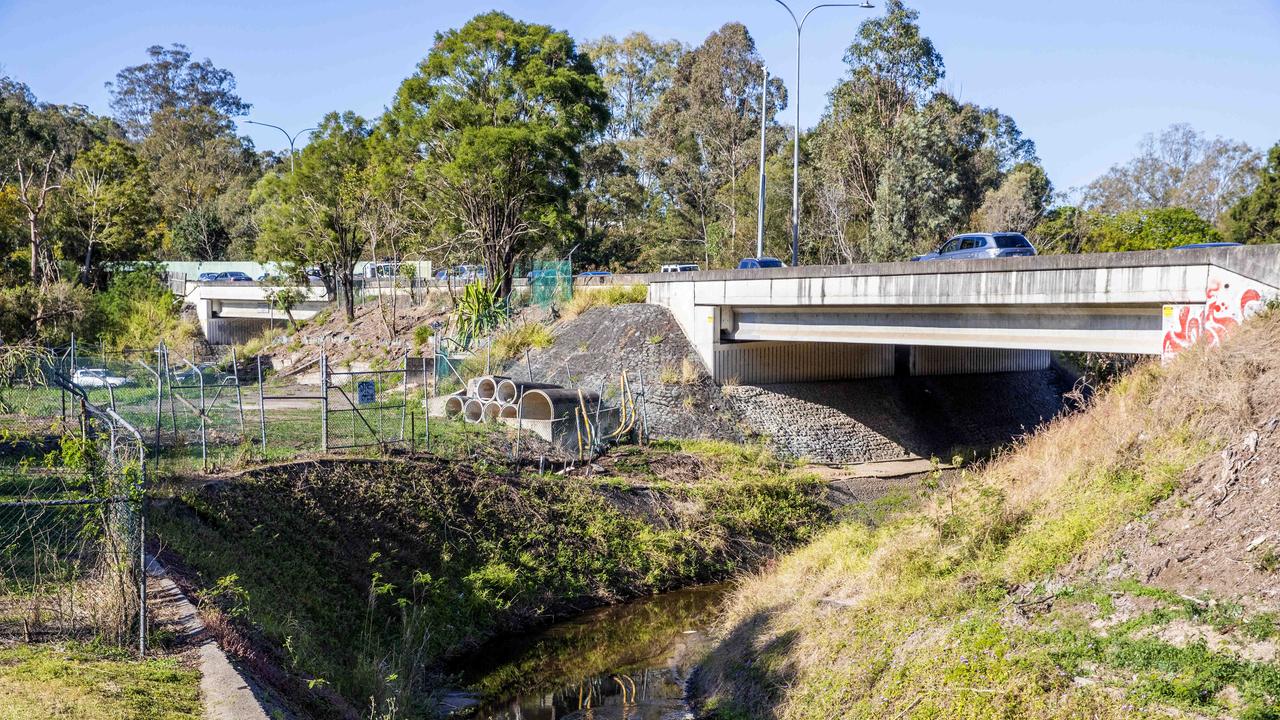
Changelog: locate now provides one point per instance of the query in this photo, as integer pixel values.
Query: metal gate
(365, 408)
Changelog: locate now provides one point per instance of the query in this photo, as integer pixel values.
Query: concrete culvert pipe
(491, 409)
(453, 405)
(488, 386)
(554, 404)
(509, 391)
(509, 410)
(473, 410)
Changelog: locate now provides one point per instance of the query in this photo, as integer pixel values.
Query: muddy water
(627, 662)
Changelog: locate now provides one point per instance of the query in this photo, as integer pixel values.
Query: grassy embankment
(361, 573)
(52, 680)
(56, 678)
(511, 342)
(999, 597)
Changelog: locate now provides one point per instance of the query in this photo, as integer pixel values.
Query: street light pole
(764, 94)
(795, 152)
(290, 138)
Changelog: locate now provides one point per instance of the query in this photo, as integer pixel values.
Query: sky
(1084, 79)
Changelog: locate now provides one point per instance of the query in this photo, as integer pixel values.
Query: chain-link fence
(71, 526)
(213, 410)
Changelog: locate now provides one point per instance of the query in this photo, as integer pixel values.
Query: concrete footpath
(226, 693)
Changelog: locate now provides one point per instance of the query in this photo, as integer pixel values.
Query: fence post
(429, 389)
(235, 373)
(159, 398)
(404, 404)
(324, 401)
(262, 410)
(142, 552)
(204, 445)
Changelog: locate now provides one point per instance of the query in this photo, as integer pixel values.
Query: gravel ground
(888, 418)
(593, 349)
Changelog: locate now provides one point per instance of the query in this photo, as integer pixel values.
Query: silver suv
(975, 246)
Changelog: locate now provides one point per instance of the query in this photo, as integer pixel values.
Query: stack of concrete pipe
(492, 397)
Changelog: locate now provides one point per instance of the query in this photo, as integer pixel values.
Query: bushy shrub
(137, 310)
(584, 300)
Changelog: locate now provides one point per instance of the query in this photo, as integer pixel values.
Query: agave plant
(479, 311)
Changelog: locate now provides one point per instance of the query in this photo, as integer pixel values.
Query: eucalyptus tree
(1255, 218)
(171, 80)
(312, 215)
(107, 212)
(498, 112)
(1180, 167)
(704, 135)
(898, 163)
(38, 143)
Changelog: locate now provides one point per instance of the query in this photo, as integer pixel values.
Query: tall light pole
(795, 159)
(764, 94)
(291, 138)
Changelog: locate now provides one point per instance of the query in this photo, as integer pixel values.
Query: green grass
(89, 683)
(943, 609)
(359, 571)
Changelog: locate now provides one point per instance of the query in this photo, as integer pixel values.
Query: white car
(98, 377)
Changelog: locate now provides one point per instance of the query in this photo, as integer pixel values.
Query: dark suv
(975, 246)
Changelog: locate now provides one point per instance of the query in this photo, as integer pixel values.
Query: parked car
(763, 263)
(463, 273)
(1196, 246)
(233, 276)
(976, 246)
(382, 270)
(534, 275)
(207, 277)
(680, 267)
(212, 375)
(98, 377)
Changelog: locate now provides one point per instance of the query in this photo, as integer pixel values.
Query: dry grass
(515, 340)
(583, 300)
(913, 618)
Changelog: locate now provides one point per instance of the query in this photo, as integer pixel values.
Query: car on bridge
(1197, 246)
(761, 263)
(207, 277)
(232, 276)
(680, 267)
(981, 246)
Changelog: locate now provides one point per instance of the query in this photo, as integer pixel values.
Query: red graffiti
(1224, 309)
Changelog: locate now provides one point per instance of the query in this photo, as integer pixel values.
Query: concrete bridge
(946, 317)
(232, 312)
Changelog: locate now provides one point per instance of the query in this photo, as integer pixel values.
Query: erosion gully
(624, 662)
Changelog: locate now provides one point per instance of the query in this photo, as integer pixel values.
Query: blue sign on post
(366, 392)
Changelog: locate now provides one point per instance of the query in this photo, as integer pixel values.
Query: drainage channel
(626, 661)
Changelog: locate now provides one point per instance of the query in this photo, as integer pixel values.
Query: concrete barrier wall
(935, 360)
(753, 363)
(236, 330)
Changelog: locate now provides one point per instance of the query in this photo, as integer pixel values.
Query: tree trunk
(346, 283)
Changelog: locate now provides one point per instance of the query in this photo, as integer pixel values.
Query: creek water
(625, 662)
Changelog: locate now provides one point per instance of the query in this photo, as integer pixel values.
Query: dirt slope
(1121, 563)
(592, 350)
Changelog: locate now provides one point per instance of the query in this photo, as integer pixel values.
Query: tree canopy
(171, 80)
(1255, 218)
(499, 110)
